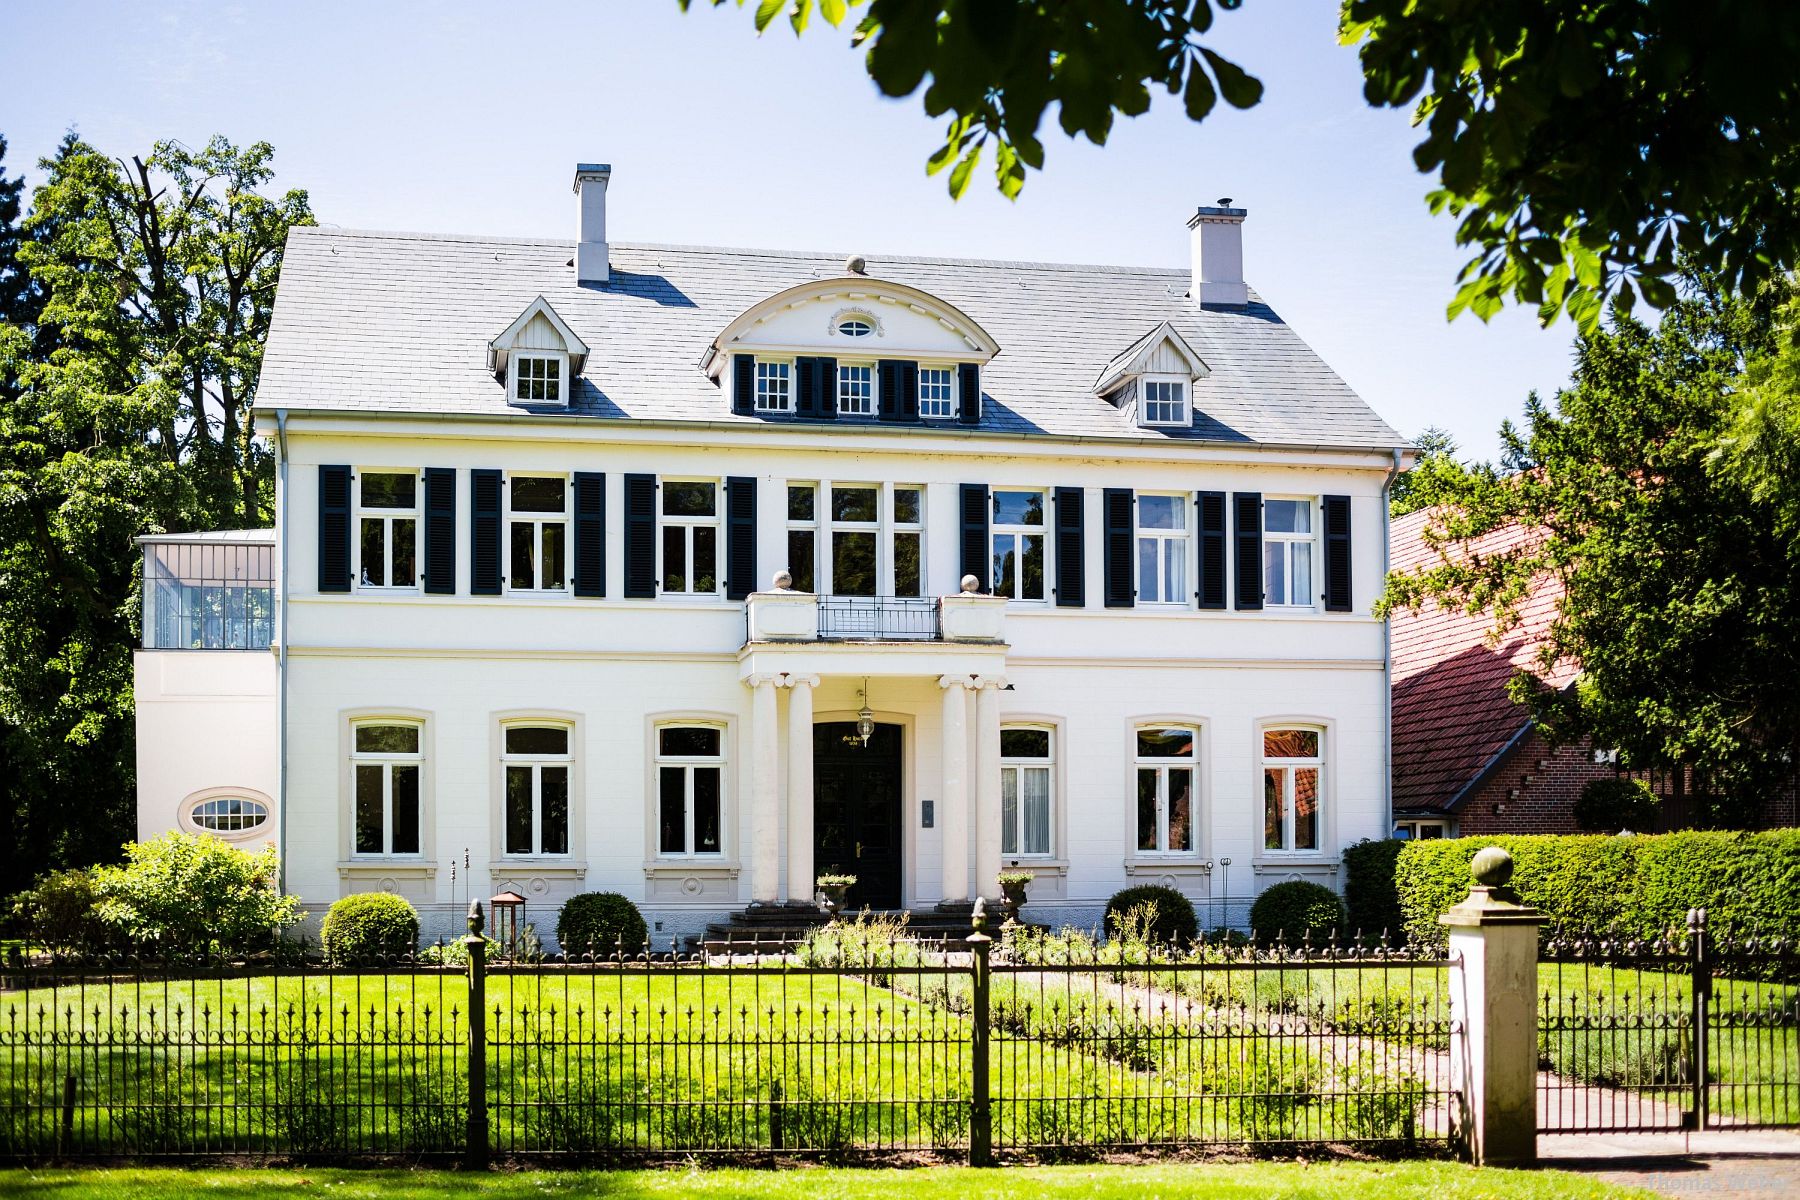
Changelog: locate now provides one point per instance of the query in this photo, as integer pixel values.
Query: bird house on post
(509, 918)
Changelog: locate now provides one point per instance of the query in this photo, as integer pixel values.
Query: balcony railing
(879, 618)
(209, 592)
(786, 616)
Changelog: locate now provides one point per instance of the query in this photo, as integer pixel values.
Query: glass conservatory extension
(209, 591)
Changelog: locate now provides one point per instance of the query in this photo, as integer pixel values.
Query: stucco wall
(206, 720)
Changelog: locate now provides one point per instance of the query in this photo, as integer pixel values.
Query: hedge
(1638, 886)
(1369, 893)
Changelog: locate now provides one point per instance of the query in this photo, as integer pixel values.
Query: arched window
(1027, 789)
(536, 761)
(386, 761)
(690, 775)
(1166, 758)
(1293, 763)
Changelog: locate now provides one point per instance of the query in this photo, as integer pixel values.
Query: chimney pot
(591, 264)
(1218, 256)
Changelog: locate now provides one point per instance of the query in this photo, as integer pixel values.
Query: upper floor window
(385, 764)
(803, 535)
(690, 537)
(690, 780)
(856, 390)
(1165, 788)
(1288, 552)
(1027, 789)
(1162, 549)
(538, 520)
(1018, 541)
(774, 386)
(1165, 402)
(855, 327)
(855, 533)
(937, 392)
(1292, 762)
(908, 537)
(387, 516)
(536, 763)
(537, 378)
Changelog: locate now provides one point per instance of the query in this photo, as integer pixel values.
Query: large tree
(126, 396)
(1579, 142)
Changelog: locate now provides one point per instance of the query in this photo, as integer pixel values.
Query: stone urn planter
(1013, 885)
(833, 889)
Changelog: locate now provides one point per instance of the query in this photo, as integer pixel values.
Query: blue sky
(464, 117)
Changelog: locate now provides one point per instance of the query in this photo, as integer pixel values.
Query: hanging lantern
(865, 720)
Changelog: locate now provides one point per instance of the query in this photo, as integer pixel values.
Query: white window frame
(536, 763)
(518, 372)
(1413, 827)
(874, 397)
(893, 527)
(659, 760)
(996, 531)
(388, 517)
(831, 526)
(1014, 768)
(799, 525)
(539, 521)
(388, 760)
(1321, 812)
(1310, 540)
(1183, 402)
(949, 399)
(192, 803)
(770, 371)
(1171, 544)
(715, 522)
(1162, 766)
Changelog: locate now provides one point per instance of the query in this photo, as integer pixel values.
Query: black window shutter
(969, 384)
(1071, 574)
(909, 391)
(484, 533)
(1337, 553)
(334, 529)
(806, 387)
(975, 534)
(889, 372)
(440, 530)
(640, 536)
(826, 370)
(1247, 523)
(1210, 508)
(590, 533)
(743, 384)
(740, 536)
(1121, 588)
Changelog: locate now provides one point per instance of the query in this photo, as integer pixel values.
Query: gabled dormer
(537, 358)
(1152, 380)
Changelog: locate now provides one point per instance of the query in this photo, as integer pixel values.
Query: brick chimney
(1218, 251)
(590, 202)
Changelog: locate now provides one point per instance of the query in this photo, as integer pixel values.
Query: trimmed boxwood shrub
(1174, 921)
(1371, 900)
(600, 923)
(1297, 910)
(1639, 886)
(369, 927)
(1609, 805)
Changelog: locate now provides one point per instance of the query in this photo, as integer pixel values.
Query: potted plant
(833, 888)
(1012, 887)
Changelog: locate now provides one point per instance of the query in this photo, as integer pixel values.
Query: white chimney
(590, 202)
(1218, 237)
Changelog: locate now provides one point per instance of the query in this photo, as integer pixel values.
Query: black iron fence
(878, 618)
(860, 1041)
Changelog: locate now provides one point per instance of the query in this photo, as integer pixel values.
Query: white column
(953, 814)
(800, 889)
(765, 810)
(987, 787)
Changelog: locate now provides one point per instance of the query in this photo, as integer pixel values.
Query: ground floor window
(1414, 830)
(536, 762)
(690, 773)
(1293, 761)
(1027, 789)
(385, 763)
(1166, 755)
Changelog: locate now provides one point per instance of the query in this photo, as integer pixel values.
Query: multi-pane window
(387, 515)
(774, 386)
(229, 815)
(856, 390)
(909, 540)
(937, 395)
(1018, 536)
(538, 524)
(690, 777)
(535, 761)
(855, 327)
(1162, 549)
(1288, 552)
(385, 764)
(1165, 402)
(1026, 790)
(537, 379)
(1165, 788)
(803, 535)
(1414, 831)
(1292, 763)
(855, 533)
(690, 538)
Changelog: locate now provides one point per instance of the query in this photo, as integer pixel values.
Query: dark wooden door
(856, 815)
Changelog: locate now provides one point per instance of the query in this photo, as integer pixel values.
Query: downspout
(281, 646)
(1387, 643)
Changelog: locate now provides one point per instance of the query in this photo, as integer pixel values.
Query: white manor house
(694, 573)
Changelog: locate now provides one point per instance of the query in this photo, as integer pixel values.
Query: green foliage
(1431, 477)
(1611, 805)
(1641, 886)
(1371, 901)
(1297, 911)
(190, 894)
(369, 927)
(601, 924)
(1160, 914)
(59, 912)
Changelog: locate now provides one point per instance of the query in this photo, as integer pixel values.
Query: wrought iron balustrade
(879, 618)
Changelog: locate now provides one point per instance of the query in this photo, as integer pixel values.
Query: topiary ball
(1295, 911)
(369, 927)
(1174, 921)
(601, 924)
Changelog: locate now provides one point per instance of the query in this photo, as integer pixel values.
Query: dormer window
(774, 386)
(1152, 379)
(856, 389)
(855, 327)
(537, 378)
(537, 358)
(1165, 402)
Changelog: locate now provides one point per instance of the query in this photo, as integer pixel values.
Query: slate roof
(1452, 716)
(400, 323)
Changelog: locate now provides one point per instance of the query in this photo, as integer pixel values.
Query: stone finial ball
(970, 585)
(1492, 867)
(783, 580)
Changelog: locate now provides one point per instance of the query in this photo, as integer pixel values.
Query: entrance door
(856, 815)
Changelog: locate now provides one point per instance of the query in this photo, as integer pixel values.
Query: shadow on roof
(655, 288)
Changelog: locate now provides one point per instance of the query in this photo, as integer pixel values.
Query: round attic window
(225, 814)
(855, 327)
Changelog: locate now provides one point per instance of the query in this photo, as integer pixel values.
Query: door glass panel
(368, 808)
(518, 810)
(406, 809)
(553, 787)
(906, 564)
(800, 558)
(853, 563)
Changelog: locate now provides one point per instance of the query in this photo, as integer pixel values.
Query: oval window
(855, 327)
(229, 814)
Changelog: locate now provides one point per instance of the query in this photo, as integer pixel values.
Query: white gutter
(281, 646)
(1387, 644)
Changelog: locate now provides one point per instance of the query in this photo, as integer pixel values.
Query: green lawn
(1236, 1181)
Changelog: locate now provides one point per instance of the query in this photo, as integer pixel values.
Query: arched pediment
(884, 319)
